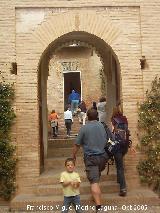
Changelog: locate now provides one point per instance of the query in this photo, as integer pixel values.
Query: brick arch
(35, 44)
(56, 25)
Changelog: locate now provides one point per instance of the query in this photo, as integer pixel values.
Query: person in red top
(53, 118)
(118, 156)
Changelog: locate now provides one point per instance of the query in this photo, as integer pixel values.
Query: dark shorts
(95, 164)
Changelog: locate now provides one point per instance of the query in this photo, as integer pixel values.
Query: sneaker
(123, 193)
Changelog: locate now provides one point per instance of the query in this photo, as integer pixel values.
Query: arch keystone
(77, 22)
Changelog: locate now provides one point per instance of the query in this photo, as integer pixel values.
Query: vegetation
(103, 84)
(7, 150)
(149, 122)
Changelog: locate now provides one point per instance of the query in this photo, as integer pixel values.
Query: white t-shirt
(70, 176)
(68, 115)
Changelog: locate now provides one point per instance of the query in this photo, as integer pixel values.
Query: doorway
(72, 80)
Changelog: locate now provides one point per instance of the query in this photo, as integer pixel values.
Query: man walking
(74, 100)
(92, 138)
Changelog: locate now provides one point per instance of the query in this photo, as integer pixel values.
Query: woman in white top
(68, 120)
(101, 108)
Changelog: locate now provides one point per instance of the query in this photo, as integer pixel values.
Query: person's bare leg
(96, 193)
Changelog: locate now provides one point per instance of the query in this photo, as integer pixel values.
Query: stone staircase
(48, 192)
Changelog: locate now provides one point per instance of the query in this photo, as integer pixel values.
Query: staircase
(62, 132)
(48, 192)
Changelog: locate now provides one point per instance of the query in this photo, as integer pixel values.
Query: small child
(53, 118)
(70, 181)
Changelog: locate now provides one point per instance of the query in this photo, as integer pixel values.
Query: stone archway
(51, 30)
(110, 69)
(36, 44)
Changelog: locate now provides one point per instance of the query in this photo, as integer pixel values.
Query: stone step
(130, 164)
(62, 137)
(64, 131)
(106, 187)
(61, 142)
(61, 152)
(52, 176)
(142, 197)
(57, 162)
(67, 151)
(135, 157)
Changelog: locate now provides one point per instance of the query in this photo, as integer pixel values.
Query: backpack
(112, 146)
(53, 123)
(122, 133)
(118, 141)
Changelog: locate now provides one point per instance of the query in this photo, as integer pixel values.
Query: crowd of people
(76, 107)
(92, 138)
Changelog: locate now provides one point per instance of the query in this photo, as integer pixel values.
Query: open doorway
(56, 80)
(72, 80)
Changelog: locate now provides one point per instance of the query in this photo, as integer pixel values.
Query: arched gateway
(81, 61)
(83, 29)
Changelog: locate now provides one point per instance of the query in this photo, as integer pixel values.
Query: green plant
(7, 150)
(149, 122)
(103, 84)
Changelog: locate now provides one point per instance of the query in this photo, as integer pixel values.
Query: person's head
(67, 107)
(70, 164)
(94, 104)
(83, 103)
(92, 114)
(53, 111)
(117, 110)
(102, 99)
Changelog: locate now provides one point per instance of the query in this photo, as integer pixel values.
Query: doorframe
(69, 71)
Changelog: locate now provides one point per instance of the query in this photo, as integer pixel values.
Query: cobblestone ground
(150, 209)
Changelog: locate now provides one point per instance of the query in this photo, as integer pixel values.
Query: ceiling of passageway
(83, 39)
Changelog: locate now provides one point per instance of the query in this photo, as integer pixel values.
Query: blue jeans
(74, 105)
(75, 201)
(120, 170)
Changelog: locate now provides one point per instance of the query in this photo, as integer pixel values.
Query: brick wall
(27, 28)
(89, 68)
